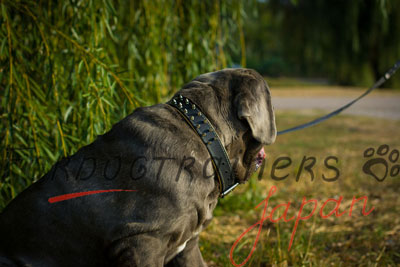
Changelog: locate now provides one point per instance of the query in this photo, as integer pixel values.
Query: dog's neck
(215, 103)
(199, 122)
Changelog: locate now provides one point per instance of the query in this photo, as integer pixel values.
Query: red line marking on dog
(81, 194)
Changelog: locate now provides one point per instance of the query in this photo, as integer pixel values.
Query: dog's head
(238, 104)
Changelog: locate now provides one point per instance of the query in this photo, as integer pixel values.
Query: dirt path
(380, 105)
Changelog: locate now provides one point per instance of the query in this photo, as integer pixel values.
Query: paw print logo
(381, 159)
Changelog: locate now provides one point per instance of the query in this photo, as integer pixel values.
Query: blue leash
(381, 81)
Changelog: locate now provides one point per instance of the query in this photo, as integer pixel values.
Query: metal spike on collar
(180, 105)
(180, 96)
(187, 101)
(193, 106)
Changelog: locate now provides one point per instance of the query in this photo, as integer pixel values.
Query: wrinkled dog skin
(159, 224)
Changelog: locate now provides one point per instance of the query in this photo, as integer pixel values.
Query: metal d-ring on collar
(203, 127)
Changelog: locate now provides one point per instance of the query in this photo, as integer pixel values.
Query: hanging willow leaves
(70, 69)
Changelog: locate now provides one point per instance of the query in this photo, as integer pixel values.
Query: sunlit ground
(337, 241)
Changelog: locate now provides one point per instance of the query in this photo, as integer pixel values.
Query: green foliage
(70, 69)
(349, 42)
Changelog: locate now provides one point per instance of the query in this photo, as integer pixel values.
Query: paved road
(387, 107)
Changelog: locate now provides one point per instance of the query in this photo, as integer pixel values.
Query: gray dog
(82, 213)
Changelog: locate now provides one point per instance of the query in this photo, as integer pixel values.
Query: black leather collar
(203, 127)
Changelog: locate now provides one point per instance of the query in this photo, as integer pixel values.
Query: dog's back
(90, 231)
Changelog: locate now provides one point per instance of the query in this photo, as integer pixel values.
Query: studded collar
(203, 127)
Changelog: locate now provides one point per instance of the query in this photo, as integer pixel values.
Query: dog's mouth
(260, 157)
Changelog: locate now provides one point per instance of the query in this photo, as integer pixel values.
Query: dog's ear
(253, 103)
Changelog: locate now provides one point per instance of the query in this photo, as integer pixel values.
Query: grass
(372, 240)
